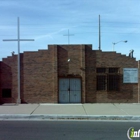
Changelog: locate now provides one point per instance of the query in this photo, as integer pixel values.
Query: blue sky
(47, 21)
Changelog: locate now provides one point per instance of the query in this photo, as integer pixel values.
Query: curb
(65, 117)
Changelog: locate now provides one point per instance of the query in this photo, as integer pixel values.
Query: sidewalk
(70, 111)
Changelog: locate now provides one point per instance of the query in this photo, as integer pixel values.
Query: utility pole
(18, 61)
(69, 36)
(99, 34)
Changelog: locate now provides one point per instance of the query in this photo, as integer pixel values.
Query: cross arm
(18, 39)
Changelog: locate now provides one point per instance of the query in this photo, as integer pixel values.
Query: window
(101, 70)
(108, 79)
(6, 93)
(113, 82)
(101, 82)
(113, 70)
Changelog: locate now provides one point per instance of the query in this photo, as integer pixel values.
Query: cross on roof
(69, 36)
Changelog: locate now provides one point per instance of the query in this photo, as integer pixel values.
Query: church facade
(68, 74)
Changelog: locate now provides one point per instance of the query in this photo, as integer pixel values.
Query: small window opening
(6, 93)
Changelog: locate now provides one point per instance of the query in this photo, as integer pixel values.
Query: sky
(48, 22)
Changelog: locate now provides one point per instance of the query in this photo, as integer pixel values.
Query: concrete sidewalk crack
(121, 109)
(34, 109)
(84, 109)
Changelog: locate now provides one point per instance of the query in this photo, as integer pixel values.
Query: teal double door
(69, 90)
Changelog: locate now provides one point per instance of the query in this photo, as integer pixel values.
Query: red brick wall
(0, 83)
(40, 72)
(127, 92)
(76, 66)
(90, 67)
(38, 76)
(9, 78)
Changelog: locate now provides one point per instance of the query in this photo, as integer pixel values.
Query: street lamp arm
(119, 42)
(114, 43)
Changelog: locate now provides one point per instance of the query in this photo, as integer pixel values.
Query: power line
(103, 32)
(90, 22)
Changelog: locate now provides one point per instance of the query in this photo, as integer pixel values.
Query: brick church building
(68, 74)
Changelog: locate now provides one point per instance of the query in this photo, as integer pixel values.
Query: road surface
(65, 130)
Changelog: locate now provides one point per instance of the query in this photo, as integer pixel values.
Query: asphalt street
(65, 130)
